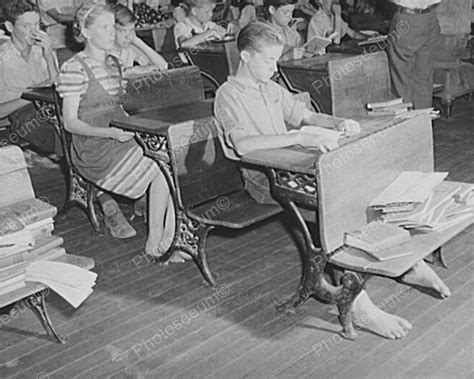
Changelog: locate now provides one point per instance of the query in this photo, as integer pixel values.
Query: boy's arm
(348, 126)
(75, 126)
(151, 55)
(185, 42)
(44, 41)
(11, 106)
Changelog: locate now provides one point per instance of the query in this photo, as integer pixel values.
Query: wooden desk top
(44, 94)
(213, 46)
(314, 63)
(302, 160)
(154, 120)
(349, 177)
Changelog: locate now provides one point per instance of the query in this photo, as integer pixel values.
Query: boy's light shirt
(254, 109)
(16, 74)
(185, 29)
(322, 25)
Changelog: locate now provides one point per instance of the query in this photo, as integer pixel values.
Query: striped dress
(118, 167)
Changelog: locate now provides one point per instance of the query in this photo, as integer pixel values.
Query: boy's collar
(244, 82)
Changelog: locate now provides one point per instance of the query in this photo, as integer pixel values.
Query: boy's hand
(349, 127)
(120, 135)
(323, 143)
(217, 33)
(42, 39)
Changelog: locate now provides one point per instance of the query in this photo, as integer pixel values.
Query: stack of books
(394, 108)
(379, 240)
(425, 202)
(26, 235)
(26, 239)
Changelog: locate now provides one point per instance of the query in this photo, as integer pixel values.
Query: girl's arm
(153, 57)
(75, 126)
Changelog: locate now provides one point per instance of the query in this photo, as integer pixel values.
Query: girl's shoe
(116, 221)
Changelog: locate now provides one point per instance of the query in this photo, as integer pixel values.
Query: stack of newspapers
(425, 202)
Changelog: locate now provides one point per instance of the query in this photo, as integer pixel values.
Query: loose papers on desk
(72, 283)
(446, 205)
(409, 187)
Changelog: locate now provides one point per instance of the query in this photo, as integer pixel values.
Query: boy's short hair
(198, 3)
(279, 3)
(257, 35)
(123, 15)
(12, 9)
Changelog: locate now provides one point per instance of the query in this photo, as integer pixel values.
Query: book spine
(32, 210)
(29, 255)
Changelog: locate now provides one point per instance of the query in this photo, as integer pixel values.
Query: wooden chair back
(162, 89)
(358, 80)
(201, 170)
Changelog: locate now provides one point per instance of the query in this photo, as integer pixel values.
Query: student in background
(251, 111)
(414, 32)
(128, 47)
(90, 84)
(197, 27)
(327, 22)
(280, 15)
(26, 59)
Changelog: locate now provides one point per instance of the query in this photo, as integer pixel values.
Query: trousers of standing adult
(411, 48)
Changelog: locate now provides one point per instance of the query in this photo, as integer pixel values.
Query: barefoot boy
(26, 59)
(252, 110)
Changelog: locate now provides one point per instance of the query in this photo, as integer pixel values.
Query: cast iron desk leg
(38, 305)
(313, 281)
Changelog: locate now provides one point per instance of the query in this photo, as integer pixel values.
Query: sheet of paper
(410, 186)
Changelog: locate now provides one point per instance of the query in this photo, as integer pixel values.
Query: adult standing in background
(414, 31)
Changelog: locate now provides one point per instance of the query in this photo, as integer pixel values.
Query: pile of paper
(424, 201)
(72, 283)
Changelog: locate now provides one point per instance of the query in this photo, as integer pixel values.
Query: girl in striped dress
(90, 84)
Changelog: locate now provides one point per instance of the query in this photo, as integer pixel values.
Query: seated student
(280, 14)
(325, 22)
(128, 47)
(197, 27)
(90, 84)
(26, 59)
(252, 109)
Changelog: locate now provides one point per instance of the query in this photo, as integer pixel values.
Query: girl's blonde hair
(85, 15)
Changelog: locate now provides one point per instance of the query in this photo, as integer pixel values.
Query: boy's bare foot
(366, 315)
(423, 275)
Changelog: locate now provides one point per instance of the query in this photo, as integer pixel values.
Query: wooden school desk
(216, 59)
(340, 84)
(338, 186)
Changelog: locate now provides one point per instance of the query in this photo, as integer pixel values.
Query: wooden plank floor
(150, 321)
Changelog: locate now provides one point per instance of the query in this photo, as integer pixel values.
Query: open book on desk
(316, 44)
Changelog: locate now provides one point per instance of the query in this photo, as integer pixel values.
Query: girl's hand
(120, 135)
(323, 143)
(349, 127)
